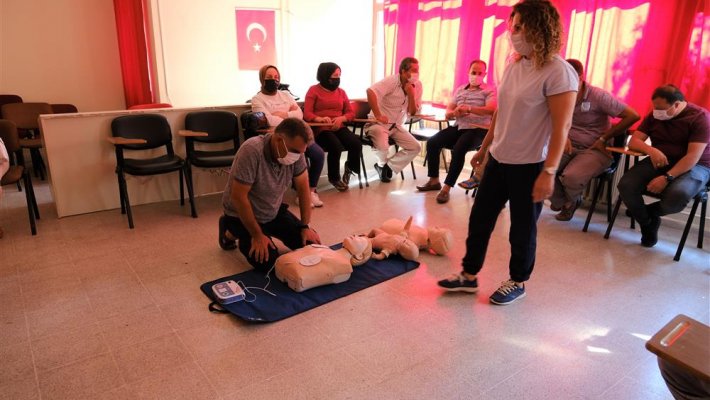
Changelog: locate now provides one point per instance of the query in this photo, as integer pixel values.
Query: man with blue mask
(678, 162)
(254, 211)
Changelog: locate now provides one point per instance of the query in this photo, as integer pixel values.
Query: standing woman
(525, 142)
(327, 103)
(278, 105)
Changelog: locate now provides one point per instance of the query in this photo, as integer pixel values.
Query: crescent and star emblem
(259, 27)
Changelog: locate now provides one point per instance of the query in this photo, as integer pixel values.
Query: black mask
(270, 85)
(331, 83)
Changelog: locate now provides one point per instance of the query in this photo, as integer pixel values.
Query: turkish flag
(256, 42)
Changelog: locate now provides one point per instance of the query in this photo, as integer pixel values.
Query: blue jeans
(674, 198)
(316, 159)
(501, 183)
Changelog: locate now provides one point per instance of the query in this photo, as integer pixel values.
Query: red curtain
(132, 26)
(628, 47)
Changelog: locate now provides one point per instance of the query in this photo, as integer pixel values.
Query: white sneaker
(315, 200)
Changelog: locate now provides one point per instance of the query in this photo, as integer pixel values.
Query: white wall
(196, 50)
(61, 51)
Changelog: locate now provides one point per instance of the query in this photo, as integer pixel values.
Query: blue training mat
(287, 303)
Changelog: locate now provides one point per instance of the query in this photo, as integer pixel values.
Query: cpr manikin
(385, 244)
(318, 265)
(437, 240)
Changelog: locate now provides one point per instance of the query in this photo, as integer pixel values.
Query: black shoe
(649, 232)
(225, 243)
(382, 173)
(388, 171)
(346, 175)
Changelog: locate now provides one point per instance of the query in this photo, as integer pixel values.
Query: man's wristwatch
(550, 170)
(669, 177)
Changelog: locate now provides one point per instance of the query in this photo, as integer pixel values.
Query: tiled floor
(91, 309)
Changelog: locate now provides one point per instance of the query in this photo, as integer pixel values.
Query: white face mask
(520, 45)
(413, 78)
(663, 115)
(289, 158)
(475, 80)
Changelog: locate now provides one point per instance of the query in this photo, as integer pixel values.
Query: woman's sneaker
(507, 293)
(315, 200)
(470, 183)
(459, 283)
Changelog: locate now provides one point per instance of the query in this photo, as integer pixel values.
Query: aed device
(228, 292)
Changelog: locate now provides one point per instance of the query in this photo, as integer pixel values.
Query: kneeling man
(254, 212)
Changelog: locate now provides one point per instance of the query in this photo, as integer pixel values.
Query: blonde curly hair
(543, 28)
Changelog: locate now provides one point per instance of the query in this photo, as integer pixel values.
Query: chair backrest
(361, 108)
(64, 108)
(25, 115)
(8, 99)
(9, 136)
(221, 126)
(154, 128)
(252, 122)
(150, 106)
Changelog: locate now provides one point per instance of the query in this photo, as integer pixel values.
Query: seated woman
(277, 106)
(472, 106)
(327, 103)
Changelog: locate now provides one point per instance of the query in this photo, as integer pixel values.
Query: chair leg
(593, 206)
(30, 188)
(359, 180)
(124, 194)
(613, 217)
(608, 198)
(364, 170)
(446, 163)
(182, 189)
(120, 194)
(28, 196)
(190, 191)
(701, 233)
(686, 230)
(414, 174)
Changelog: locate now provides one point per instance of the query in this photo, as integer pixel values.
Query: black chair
(64, 108)
(146, 132)
(18, 173)
(606, 177)
(206, 128)
(700, 198)
(8, 99)
(423, 134)
(26, 118)
(253, 124)
(362, 109)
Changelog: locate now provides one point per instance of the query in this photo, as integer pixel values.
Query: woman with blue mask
(328, 103)
(278, 105)
(528, 132)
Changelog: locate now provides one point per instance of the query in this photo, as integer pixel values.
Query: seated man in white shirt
(391, 99)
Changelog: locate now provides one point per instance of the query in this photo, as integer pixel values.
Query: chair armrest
(187, 133)
(365, 120)
(117, 140)
(625, 150)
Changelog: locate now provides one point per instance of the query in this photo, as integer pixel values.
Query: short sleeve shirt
(592, 116)
(477, 97)
(254, 165)
(673, 136)
(524, 125)
(392, 100)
